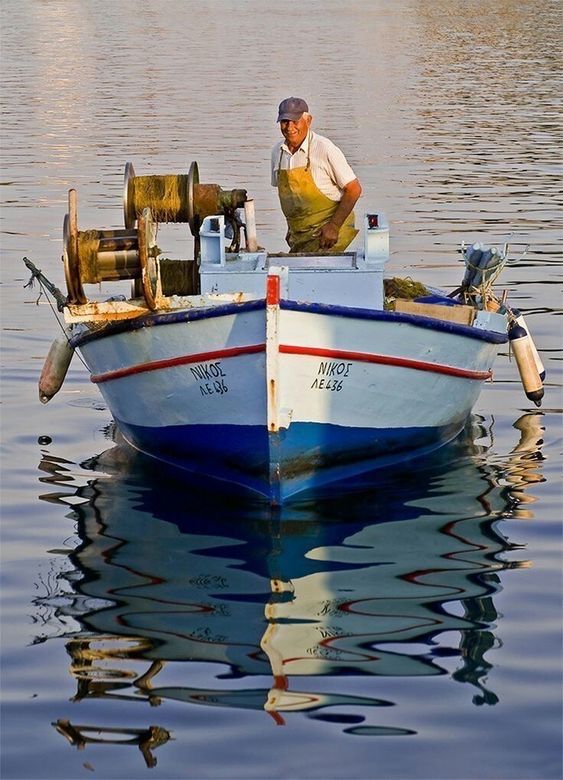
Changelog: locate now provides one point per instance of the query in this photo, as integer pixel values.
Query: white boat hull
(279, 396)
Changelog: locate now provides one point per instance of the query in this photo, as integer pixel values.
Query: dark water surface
(410, 629)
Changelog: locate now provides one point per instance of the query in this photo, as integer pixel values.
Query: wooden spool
(95, 256)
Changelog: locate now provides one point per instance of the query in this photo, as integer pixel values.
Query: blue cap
(292, 108)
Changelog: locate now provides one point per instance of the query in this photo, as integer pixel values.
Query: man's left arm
(329, 232)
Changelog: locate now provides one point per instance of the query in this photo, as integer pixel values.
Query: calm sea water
(409, 630)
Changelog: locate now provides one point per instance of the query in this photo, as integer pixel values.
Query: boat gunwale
(225, 309)
(154, 319)
(430, 323)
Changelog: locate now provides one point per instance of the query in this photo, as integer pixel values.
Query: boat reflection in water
(389, 581)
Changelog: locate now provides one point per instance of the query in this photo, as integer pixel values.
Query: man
(316, 186)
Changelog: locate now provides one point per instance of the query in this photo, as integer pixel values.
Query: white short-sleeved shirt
(329, 168)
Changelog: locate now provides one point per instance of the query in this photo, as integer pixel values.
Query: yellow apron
(307, 209)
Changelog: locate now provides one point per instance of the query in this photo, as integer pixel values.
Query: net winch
(94, 256)
(179, 198)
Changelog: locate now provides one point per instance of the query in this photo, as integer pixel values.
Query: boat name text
(215, 376)
(328, 373)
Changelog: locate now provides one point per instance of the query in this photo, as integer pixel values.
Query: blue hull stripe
(309, 453)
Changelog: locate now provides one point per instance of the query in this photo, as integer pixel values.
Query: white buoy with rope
(521, 345)
(519, 318)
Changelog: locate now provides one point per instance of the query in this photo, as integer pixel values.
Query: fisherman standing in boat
(317, 188)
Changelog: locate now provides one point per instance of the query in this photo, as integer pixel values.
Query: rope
(177, 276)
(477, 284)
(166, 196)
(88, 248)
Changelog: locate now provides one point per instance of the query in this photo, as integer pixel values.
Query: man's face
(295, 132)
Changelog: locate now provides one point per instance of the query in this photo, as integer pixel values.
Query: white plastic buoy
(55, 368)
(522, 348)
(539, 365)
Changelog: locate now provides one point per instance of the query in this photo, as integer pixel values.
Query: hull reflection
(398, 580)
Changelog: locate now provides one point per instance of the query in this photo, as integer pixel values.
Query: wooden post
(250, 220)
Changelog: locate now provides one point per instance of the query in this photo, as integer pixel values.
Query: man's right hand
(328, 235)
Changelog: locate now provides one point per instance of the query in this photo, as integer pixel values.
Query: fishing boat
(274, 372)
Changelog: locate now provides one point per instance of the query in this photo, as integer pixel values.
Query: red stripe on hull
(182, 360)
(386, 360)
(336, 354)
